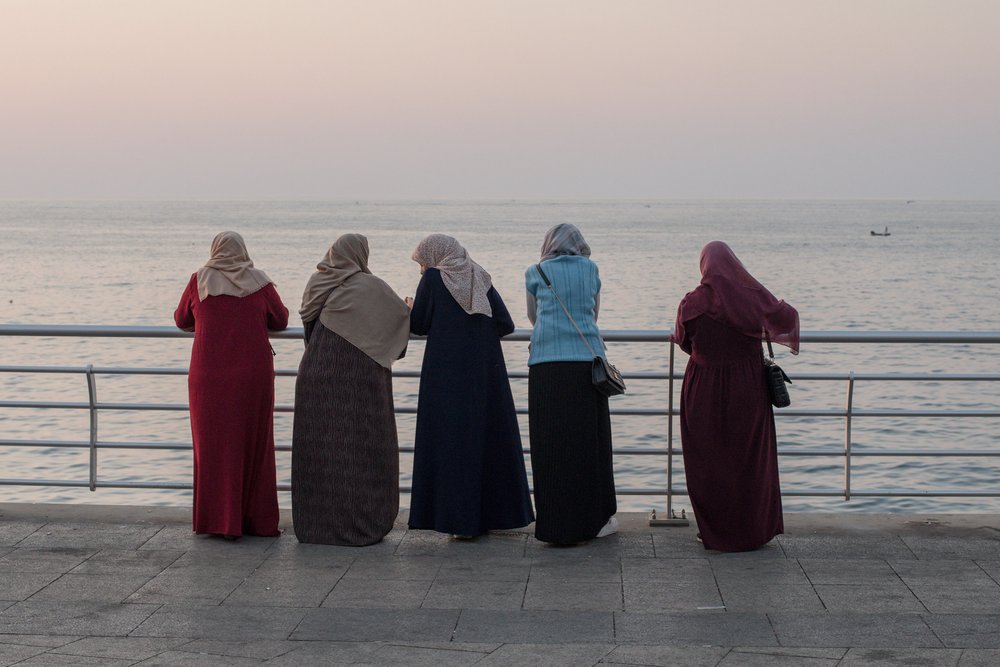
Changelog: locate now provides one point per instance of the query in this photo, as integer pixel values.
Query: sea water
(126, 263)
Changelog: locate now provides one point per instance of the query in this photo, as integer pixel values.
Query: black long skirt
(345, 454)
(570, 433)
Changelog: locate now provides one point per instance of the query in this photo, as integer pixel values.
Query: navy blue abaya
(468, 469)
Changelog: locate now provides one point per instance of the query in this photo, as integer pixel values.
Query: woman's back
(438, 316)
(715, 344)
(554, 338)
(231, 329)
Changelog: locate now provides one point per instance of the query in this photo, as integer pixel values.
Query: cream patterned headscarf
(229, 270)
(467, 282)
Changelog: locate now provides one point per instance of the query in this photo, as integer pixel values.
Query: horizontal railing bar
(66, 370)
(623, 491)
(55, 444)
(172, 446)
(43, 482)
(521, 335)
(638, 451)
(46, 405)
(522, 375)
(635, 412)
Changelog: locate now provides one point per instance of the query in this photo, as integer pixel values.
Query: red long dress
(231, 394)
(729, 440)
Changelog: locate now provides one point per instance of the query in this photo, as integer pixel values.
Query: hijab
(467, 282)
(731, 296)
(564, 239)
(354, 304)
(229, 270)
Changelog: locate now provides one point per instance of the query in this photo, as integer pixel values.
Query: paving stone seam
(336, 583)
(908, 547)
(606, 654)
(437, 572)
(718, 588)
(987, 572)
(243, 581)
(44, 587)
(774, 631)
(724, 656)
(156, 607)
(912, 592)
(931, 628)
(150, 538)
(621, 591)
(30, 534)
(812, 585)
(527, 582)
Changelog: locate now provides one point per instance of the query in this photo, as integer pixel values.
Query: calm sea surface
(124, 263)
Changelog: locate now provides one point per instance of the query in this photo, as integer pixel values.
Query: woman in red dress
(727, 422)
(231, 306)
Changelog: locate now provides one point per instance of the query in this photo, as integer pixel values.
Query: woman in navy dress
(727, 422)
(468, 467)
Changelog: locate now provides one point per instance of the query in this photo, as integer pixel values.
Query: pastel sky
(246, 99)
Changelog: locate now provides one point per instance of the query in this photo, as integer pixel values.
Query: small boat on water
(883, 233)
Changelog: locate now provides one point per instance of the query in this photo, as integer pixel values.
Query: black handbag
(776, 379)
(605, 377)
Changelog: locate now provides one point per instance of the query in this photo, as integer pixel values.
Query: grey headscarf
(564, 239)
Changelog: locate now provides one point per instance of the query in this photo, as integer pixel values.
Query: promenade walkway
(91, 585)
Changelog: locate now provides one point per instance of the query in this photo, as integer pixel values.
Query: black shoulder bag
(605, 377)
(776, 379)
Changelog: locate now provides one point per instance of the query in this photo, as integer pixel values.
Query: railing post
(92, 393)
(670, 519)
(847, 437)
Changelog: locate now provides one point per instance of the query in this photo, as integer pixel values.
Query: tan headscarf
(468, 282)
(230, 269)
(356, 305)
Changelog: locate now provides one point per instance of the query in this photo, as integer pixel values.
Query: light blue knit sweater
(576, 280)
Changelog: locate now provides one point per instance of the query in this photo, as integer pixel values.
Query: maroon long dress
(231, 393)
(728, 437)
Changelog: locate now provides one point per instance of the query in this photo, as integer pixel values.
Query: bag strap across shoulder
(548, 284)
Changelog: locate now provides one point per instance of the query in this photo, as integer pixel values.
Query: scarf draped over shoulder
(731, 296)
(467, 282)
(356, 305)
(229, 271)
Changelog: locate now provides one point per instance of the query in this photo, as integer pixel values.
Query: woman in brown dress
(345, 453)
(727, 422)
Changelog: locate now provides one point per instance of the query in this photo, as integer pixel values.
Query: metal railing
(848, 413)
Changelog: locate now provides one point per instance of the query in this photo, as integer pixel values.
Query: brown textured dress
(345, 452)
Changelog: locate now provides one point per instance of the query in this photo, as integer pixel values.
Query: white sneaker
(610, 528)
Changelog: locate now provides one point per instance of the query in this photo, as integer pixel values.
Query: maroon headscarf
(731, 296)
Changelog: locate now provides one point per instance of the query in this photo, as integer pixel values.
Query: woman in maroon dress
(727, 422)
(230, 306)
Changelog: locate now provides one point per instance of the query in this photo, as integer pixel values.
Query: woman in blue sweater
(568, 420)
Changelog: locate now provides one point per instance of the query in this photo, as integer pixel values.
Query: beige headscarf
(230, 269)
(468, 282)
(356, 305)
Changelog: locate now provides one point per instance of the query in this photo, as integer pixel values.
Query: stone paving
(89, 585)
